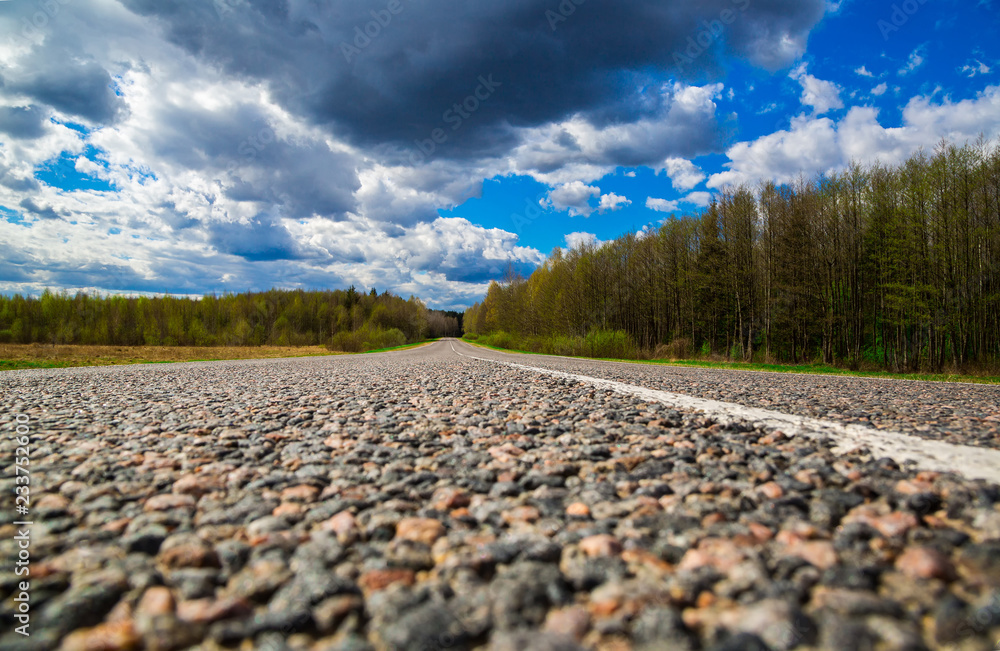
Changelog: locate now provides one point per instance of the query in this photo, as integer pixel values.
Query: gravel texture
(967, 414)
(420, 500)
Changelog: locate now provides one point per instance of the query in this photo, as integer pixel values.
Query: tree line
(340, 319)
(894, 266)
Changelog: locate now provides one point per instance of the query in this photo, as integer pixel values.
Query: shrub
(677, 349)
(614, 344)
(366, 338)
(500, 339)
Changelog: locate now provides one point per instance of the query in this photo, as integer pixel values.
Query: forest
(895, 267)
(345, 320)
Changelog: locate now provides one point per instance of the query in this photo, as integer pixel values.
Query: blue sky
(934, 54)
(192, 147)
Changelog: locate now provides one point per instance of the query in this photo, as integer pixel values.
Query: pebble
(925, 563)
(600, 545)
(425, 530)
(169, 501)
(376, 580)
(197, 485)
(206, 611)
(120, 636)
(373, 503)
(344, 525)
(573, 622)
(890, 525)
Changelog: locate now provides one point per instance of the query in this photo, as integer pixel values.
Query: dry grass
(17, 356)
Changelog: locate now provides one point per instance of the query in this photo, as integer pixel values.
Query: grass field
(22, 356)
(815, 369)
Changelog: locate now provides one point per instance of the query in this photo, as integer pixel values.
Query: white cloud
(198, 189)
(811, 143)
(189, 195)
(915, 61)
(879, 90)
(577, 150)
(575, 197)
(684, 175)
(863, 71)
(342, 214)
(576, 240)
(450, 259)
(661, 205)
(977, 67)
(700, 199)
(815, 145)
(823, 96)
(612, 202)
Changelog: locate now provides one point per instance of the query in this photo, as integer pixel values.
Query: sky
(424, 147)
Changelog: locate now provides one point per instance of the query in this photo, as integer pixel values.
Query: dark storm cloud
(392, 231)
(23, 122)
(303, 178)
(172, 217)
(15, 264)
(261, 240)
(13, 273)
(79, 88)
(306, 179)
(109, 276)
(401, 82)
(485, 271)
(15, 183)
(40, 211)
(197, 138)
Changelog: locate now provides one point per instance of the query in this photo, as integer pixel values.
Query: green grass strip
(803, 369)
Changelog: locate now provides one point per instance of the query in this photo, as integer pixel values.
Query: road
(453, 497)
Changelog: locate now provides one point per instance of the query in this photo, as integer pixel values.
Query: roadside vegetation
(338, 320)
(19, 356)
(813, 368)
(27, 356)
(876, 269)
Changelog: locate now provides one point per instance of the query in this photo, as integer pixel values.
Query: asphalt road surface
(453, 497)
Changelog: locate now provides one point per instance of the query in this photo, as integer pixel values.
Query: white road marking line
(972, 462)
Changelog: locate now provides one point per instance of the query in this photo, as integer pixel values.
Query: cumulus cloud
(415, 70)
(612, 202)
(661, 205)
(79, 88)
(701, 199)
(243, 149)
(684, 175)
(684, 125)
(22, 122)
(453, 247)
(578, 240)
(574, 197)
(816, 145)
(823, 96)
